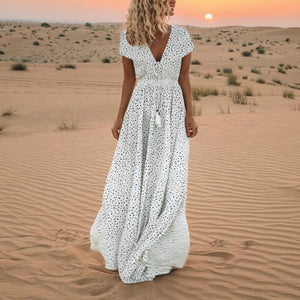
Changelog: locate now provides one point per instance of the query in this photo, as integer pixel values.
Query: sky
(281, 13)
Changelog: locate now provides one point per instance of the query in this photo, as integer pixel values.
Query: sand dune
(243, 205)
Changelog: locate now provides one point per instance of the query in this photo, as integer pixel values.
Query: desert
(60, 87)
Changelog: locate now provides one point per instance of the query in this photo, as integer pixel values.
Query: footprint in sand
(66, 235)
(249, 243)
(218, 243)
(221, 259)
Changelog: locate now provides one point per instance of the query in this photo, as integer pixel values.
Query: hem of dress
(154, 270)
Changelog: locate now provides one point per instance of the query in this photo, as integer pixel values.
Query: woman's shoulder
(124, 40)
(183, 41)
(181, 29)
(123, 34)
(125, 49)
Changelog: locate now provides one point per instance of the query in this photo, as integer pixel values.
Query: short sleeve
(187, 44)
(125, 49)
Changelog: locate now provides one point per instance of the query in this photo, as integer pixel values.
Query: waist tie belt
(157, 82)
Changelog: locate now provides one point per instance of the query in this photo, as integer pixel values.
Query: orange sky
(284, 13)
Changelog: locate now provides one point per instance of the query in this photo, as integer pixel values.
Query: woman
(141, 228)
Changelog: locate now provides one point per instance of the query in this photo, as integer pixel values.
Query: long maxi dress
(141, 229)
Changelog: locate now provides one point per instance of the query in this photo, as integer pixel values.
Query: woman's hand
(191, 126)
(117, 128)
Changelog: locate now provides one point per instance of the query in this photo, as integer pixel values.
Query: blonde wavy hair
(144, 18)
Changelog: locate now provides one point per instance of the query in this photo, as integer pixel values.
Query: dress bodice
(146, 67)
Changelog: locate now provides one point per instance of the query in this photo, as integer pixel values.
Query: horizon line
(119, 22)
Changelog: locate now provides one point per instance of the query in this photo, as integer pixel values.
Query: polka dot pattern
(141, 228)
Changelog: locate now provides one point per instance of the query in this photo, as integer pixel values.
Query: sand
(243, 206)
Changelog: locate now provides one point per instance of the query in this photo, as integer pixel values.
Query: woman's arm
(129, 80)
(184, 81)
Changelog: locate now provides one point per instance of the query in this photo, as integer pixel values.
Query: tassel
(145, 255)
(157, 119)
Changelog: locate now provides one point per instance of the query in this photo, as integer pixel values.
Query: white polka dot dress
(141, 228)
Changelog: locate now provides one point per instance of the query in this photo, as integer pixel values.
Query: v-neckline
(167, 45)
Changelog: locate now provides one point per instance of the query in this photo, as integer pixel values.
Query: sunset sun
(208, 16)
